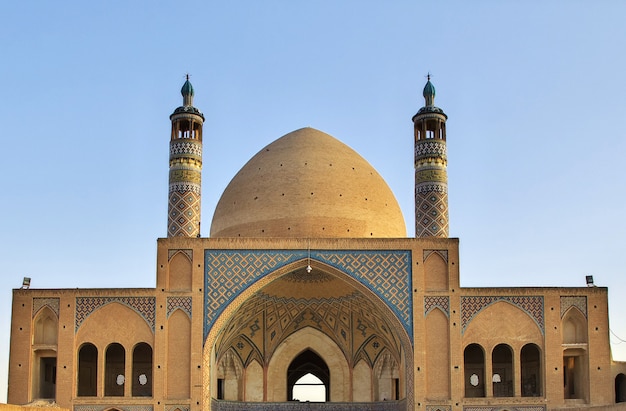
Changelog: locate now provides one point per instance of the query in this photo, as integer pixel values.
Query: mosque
(308, 283)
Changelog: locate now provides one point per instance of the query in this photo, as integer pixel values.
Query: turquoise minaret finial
(429, 93)
(187, 92)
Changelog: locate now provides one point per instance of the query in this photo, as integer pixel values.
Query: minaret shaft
(185, 176)
(431, 177)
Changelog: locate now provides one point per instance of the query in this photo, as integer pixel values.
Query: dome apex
(308, 184)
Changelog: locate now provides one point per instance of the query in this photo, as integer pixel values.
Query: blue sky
(535, 93)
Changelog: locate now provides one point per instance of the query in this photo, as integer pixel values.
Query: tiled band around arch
(385, 272)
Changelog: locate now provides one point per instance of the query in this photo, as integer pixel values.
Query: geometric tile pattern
(578, 301)
(438, 408)
(385, 272)
(402, 405)
(441, 302)
(179, 407)
(507, 407)
(532, 305)
(144, 306)
(183, 303)
(100, 407)
(431, 189)
(431, 211)
(184, 214)
(184, 187)
(39, 303)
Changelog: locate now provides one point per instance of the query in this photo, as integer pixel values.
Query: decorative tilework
(430, 148)
(442, 253)
(183, 210)
(144, 306)
(172, 253)
(178, 407)
(174, 303)
(402, 405)
(186, 147)
(39, 303)
(578, 301)
(385, 273)
(431, 210)
(532, 305)
(438, 408)
(441, 302)
(102, 407)
(507, 407)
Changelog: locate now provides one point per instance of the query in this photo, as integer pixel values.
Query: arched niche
(474, 369)
(87, 384)
(436, 276)
(180, 273)
(46, 327)
(325, 348)
(532, 376)
(502, 371)
(574, 327)
(242, 312)
(307, 362)
(142, 370)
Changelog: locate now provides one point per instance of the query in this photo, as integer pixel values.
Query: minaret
(431, 178)
(183, 214)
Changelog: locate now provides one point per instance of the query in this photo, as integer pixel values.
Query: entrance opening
(502, 367)
(531, 371)
(309, 388)
(308, 378)
(573, 377)
(474, 362)
(620, 388)
(48, 377)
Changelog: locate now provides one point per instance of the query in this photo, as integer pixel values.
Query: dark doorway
(306, 363)
(48, 377)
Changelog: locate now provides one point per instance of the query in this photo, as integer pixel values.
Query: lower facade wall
(217, 405)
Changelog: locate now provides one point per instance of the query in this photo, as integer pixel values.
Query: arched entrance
(307, 363)
(294, 322)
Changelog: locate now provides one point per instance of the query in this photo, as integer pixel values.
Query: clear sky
(535, 92)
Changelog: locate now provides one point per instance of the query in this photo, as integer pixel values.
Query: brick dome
(308, 184)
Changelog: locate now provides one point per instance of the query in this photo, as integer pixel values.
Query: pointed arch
(574, 327)
(254, 382)
(438, 358)
(325, 348)
(307, 362)
(230, 373)
(180, 272)
(219, 328)
(362, 382)
(386, 377)
(436, 276)
(178, 355)
(46, 327)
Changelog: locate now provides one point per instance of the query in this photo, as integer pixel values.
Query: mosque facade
(309, 283)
